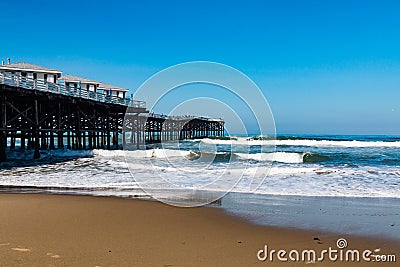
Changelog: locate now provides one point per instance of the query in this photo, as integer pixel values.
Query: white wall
(117, 94)
(51, 78)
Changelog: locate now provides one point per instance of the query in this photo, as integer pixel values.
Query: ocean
(347, 183)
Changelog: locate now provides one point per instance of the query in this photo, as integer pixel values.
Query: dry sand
(58, 230)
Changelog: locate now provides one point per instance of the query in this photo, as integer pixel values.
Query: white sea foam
(107, 171)
(308, 143)
(108, 153)
(282, 179)
(150, 153)
(284, 157)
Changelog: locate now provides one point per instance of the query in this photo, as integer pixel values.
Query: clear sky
(324, 66)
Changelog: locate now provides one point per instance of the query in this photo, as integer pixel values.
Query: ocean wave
(303, 142)
(149, 153)
(282, 157)
(28, 154)
(285, 157)
(108, 174)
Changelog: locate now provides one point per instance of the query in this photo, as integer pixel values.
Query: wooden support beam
(3, 133)
(69, 140)
(19, 113)
(78, 133)
(108, 132)
(60, 134)
(35, 131)
(90, 140)
(12, 141)
(22, 140)
(84, 140)
(51, 135)
(138, 127)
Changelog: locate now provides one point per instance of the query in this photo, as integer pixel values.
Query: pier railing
(182, 118)
(44, 86)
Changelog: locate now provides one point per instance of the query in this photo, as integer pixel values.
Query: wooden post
(143, 131)
(98, 139)
(43, 140)
(132, 136)
(137, 132)
(78, 131)
(94, 132)
(116, 130)
(123, 140)
(30, 142)
(3, 133)
(90, 140)
(51, 146)
(73, 140)
(103, 139)
(95, 141)
(60, 140)
(35, 128)
(12, 141)
(22, 141)
(84, 140)
(108, 122)
(68, 140)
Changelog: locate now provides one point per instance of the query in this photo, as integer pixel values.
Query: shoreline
(378, 216)
(373, 217)
(65, 230)
(365, 217)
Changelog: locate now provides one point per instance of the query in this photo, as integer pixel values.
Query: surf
(302, 142)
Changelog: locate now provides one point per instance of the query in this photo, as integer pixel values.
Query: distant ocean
(363, 171)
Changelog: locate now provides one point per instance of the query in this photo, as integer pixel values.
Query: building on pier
(44, 75)
(112, 90)
(30, 71)
(79, 83)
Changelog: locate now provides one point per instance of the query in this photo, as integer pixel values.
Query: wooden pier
(44, 115)
(157, 128)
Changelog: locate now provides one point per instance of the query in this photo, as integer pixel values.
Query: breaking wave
(304, 142)
(282, 157)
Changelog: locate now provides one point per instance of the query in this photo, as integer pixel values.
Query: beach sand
(61, 230)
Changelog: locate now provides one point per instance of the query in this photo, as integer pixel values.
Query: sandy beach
(62, 230)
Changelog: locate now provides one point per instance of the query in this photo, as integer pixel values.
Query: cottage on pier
(112, 90)
(30, 71)
(75, 82)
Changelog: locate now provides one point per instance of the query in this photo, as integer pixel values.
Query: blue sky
(326, 67)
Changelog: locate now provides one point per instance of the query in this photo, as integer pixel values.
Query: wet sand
(61, 230)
